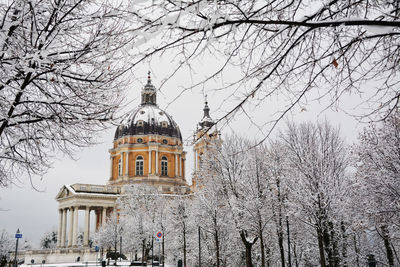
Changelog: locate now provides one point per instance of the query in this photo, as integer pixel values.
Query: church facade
(147, 148)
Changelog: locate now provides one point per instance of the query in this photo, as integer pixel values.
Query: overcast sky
(34, 212)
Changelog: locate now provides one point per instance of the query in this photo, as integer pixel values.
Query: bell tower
(205, 136)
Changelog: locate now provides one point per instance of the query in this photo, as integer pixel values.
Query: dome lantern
(149, 93)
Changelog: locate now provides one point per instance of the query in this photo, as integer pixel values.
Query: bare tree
(59, 67)
(299, 50)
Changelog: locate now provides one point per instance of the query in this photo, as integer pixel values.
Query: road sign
(158, 240)
(18, 235)
(159, 235)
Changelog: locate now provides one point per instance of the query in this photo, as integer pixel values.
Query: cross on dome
(148, 77)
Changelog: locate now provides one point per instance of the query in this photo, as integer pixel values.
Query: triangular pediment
(64, 192)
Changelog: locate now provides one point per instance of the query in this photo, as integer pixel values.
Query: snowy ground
(81, 264)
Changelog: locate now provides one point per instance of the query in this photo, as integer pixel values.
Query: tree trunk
(268, 254)
(386, 240)
(262, 246)
(248, 245)
(216, 239)
(344, 244)
(216, 247)
(143, 251)
(327, 246)
(288, 242)
(320, 236)
(330, 240)
(184, 245)
(280, 243)
(296, 262)
(357, 251)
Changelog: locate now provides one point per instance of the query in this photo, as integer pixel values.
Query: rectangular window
(164, 168)
(139, 167)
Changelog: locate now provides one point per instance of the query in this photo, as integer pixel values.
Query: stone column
(64, 228)
(60, 221)
(104, 216)
(71, 226)
(176, 165)
(149, 161)
(180, 165)
(75, 228)
(111, 167)
(87, 227)
(157, 173)
(194, 159)
(182, 168)
(97, 219)
(127, 164)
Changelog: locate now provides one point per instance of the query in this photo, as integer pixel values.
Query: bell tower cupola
(149, 93)
(206, 122)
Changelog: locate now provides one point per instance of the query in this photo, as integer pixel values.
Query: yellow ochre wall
(142, 149)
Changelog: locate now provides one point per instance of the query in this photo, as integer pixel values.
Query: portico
(100, 199)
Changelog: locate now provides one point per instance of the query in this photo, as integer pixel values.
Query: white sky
(35, 212)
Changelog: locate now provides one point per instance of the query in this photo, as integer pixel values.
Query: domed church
(147, 148)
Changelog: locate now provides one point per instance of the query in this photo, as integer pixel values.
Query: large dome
(149, 119)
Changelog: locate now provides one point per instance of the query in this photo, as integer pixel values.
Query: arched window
(120, 166)
(139, 166)
(164, 166)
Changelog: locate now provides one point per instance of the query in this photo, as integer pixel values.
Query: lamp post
(18, 235)
(120, 247)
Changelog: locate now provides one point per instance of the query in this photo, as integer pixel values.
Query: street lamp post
(120, 247)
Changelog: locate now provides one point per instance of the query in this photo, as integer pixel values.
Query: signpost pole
(152, 251)
(159, 255)
(18, 235)
(199, 248)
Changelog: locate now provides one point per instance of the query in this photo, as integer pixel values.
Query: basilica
(147, 148)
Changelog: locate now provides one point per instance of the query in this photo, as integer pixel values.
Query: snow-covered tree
(108, 236)
(60, 64)
(182, 227)
(235, 177)
(318, 182)
(140, 207)
(215, 223)
(299, 50)
(49, 240)
(377, 160)
(6, 245)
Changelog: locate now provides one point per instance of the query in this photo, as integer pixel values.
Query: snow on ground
(82, 264)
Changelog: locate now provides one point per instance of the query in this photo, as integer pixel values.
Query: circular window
(161, 113)
(140, 140)
(142, 112)
(165, 141)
